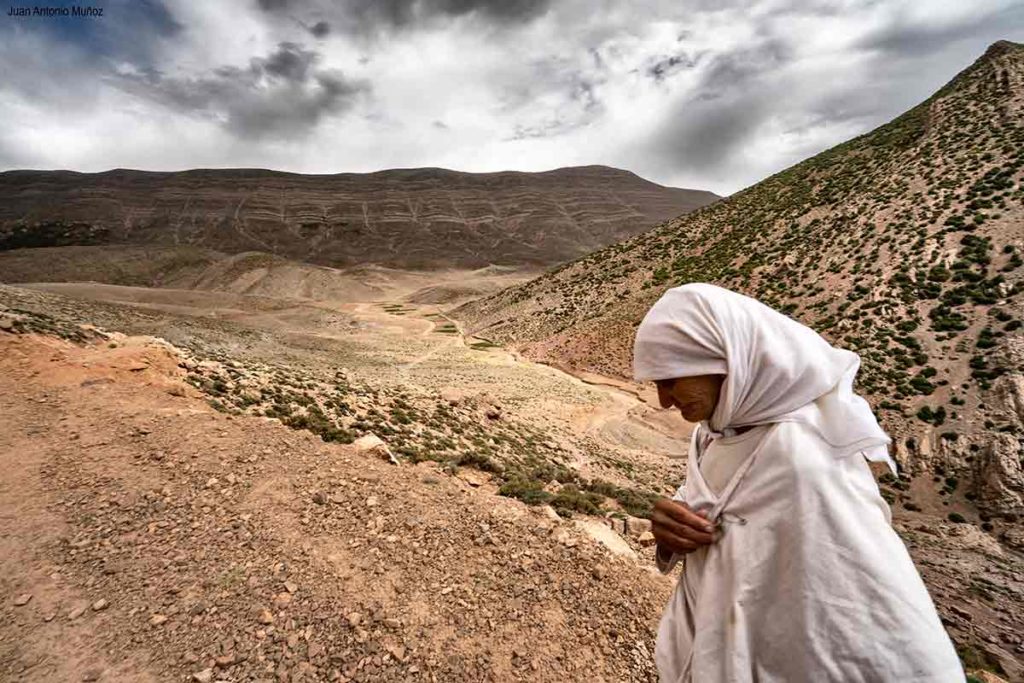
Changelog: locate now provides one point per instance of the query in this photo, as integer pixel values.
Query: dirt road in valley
(418, 346)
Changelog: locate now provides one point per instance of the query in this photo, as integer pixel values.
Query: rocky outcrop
(998, 476)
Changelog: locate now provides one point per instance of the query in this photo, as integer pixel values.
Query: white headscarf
(777, 370)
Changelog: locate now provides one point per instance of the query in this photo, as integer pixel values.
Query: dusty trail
(404, 344)
(624, 417)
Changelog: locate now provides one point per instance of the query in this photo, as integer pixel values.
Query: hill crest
(407, 218)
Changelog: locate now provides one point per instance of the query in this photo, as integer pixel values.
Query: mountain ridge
(409, 218)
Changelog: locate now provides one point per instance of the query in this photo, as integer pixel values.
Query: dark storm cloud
(371, 16)
(906, 40)
(762, 85)
(320, 29)
(283, 93)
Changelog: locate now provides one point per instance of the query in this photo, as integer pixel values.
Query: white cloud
(713, 95)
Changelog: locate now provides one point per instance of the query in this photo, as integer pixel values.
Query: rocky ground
(181, 512)
(155, 538)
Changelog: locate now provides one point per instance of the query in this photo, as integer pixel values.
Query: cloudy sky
(710, 94)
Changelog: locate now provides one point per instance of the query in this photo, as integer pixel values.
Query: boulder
(605, 536)
(999, 479)
(372, 444)
(1008, 392)
(637, 526)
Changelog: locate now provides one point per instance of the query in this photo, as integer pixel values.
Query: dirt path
(236, 549)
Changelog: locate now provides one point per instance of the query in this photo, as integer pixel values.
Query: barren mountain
(904, 244)
(408, 218)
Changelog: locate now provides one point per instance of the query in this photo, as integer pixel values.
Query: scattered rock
(157, 619)
(646, 539)
(637, 526)
(475, 478)
(606, 537)
(76, 612)
(204, 676)
(265, 617)
(374, 445)
(549, 512)
(92, 674)
(22, 599)
(100, 605)
(960, 612)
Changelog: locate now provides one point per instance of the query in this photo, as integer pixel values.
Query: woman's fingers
(673, 543)
(660, 520)
(681, 521)
(683, 514)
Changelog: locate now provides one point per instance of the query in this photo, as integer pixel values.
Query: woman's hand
(678, 529)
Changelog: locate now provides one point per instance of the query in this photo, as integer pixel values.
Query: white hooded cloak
(808, 581)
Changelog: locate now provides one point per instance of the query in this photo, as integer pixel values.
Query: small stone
(226, 661)
(291, 586)
(76, 612)
(282, 600)
(319, 498)
(960, 612)
(22, 599)
(598, 572)
(646, 538)
(371, 501)
(100, 605)
(265, 617)
(204, 676)
(6, 324)
(157, 619)
(49, 616)
(92, 674)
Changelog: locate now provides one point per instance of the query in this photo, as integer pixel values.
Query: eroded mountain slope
(904, 244)
(407, 218)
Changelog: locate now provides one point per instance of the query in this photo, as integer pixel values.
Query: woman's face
(695, 397)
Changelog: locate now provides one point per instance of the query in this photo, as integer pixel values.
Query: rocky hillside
(409, 218)
(904, 244)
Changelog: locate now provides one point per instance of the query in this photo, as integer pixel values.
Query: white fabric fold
(776, 369)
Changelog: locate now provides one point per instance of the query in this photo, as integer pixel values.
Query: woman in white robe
(804, 578)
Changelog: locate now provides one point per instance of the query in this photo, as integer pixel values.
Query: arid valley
(268, 426)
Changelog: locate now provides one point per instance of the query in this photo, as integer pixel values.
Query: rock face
(998, 475)
(408, 218)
